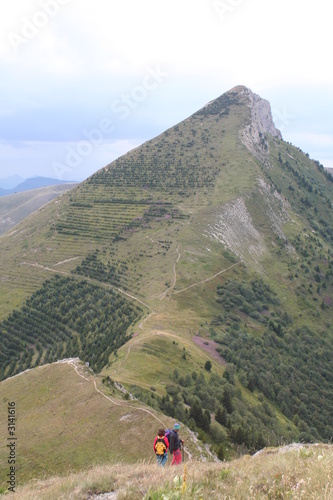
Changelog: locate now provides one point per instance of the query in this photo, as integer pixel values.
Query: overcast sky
(84, 81)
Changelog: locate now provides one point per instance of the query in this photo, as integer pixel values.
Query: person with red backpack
(175, 445)
(161, 446)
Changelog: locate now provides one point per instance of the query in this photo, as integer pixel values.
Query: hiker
(161, 445)
(175, 445)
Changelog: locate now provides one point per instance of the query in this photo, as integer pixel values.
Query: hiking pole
(185, 469)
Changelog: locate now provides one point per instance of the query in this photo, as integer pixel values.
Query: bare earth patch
(210, 346)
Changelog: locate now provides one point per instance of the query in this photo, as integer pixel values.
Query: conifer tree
(227, 401)
(221, 416)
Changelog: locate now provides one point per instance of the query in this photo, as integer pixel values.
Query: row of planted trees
(65, 318)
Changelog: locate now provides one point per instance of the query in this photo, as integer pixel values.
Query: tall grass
(301, 472)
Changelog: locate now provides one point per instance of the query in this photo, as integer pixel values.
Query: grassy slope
(33, 252)
(306, 226)
(42, 240)
(64, 424)
(187, 312)
(274, 473)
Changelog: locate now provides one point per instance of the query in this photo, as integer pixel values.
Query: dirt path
(45, 268)
(96, 282)
(163, 295)
(207, 279)
(134, 298)
(64, 261)
(73, 364)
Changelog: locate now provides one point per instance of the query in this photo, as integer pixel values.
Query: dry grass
(66, 424)
(283, 473)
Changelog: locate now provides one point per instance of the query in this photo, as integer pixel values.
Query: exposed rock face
(261, 124)
(234, 227)
(261, 115)
(261, 121)
(277, 211)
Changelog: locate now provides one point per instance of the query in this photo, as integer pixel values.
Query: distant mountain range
(11, 181)
(27, 184)
(17, 206)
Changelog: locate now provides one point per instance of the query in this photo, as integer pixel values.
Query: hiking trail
(163, 295)
(206, 280)
(73, 363)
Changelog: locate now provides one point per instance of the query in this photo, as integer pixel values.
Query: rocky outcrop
(233, 227)
(261, 124)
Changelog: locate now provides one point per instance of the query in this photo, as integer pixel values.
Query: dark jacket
(175, 441)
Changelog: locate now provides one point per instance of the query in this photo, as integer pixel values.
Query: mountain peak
(261, 121)
(261, 113)
(260, 124)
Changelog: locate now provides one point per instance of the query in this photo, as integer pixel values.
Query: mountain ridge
(210, 238)
(10, 181)
(34, 183)
(19, 205)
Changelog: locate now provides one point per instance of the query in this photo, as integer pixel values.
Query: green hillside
(214, 237)
(67, 421)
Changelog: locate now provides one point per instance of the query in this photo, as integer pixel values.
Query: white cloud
(88, 54)
(256, 43)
